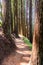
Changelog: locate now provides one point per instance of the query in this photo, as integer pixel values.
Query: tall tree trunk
(7, 20)
(11, 14)
(22, 16)
(30, 20)
(6, 16)
(27, 18)
(37, 50)
(16, 18)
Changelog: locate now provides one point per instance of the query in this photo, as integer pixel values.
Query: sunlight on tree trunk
(37, 50)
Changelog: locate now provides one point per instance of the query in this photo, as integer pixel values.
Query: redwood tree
(37, 50)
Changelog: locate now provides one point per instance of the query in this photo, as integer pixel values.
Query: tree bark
(37, 50)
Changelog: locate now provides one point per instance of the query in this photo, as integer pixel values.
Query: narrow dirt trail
(23, 52)
(10, 56)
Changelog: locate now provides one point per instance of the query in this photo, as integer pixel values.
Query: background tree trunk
(6, 16)
(16, 18)
(11, 14)
(7, 20)
(37, 50)
(30, 20)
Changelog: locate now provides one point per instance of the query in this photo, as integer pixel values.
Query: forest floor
(10, 56)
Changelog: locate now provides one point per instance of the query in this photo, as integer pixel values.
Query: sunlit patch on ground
(23, 63)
